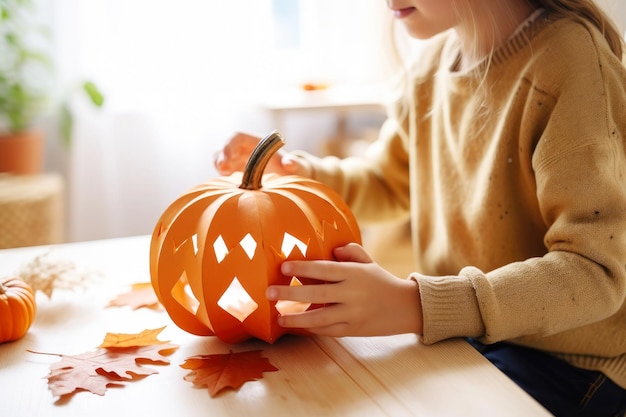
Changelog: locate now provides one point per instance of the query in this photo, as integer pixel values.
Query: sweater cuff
(449, 307)
(323, 169)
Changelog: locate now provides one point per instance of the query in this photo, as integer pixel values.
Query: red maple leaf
(226, 370)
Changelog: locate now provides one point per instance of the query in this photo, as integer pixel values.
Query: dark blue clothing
(564, 390)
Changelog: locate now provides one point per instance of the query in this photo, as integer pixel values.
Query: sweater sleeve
(376, 185)
(564, 299)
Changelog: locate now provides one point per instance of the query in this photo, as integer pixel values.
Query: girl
(508, 152)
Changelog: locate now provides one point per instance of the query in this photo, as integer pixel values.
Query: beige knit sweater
(517, 197)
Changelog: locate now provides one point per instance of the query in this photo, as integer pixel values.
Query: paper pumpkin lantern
(216, 249)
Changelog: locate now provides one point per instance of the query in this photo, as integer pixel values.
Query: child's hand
(234, 157)
(361, 298)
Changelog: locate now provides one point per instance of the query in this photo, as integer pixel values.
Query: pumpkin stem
(258, 160)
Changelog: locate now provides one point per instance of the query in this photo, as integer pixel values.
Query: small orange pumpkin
(17, 309)
(215, 249)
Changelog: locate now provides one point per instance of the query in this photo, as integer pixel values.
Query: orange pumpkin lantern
(215, 249)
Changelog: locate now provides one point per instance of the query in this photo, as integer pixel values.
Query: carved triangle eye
(249, 245)
(290, 242)
(220, 249)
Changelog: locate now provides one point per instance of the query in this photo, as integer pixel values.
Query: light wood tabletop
(317, 376)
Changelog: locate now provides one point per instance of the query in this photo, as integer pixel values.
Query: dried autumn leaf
(227, 370)
(145, 338)
(45, 273)
(113, 365)
(95, 371)
(140, 295)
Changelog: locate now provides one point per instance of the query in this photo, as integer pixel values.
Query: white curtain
(178, 79)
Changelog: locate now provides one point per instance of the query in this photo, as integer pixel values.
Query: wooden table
(380, 376)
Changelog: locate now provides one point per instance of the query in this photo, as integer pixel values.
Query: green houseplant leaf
(23, 67)
(66, 118)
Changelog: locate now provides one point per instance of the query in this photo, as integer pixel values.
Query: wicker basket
(31, 210)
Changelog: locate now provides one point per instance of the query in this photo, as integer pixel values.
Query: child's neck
(488, 28)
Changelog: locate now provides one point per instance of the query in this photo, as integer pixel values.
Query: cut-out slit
(177, 245)
(183, 294)
(237, 302)
(290, 242)
(194, 244)
(286, 306)
(194, 240)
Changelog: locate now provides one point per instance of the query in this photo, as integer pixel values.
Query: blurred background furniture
(31, 210)
(358, 111)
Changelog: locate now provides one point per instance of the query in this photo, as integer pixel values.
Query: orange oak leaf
(145, 338)
(140, 295)
(115, 364)
(226, 370)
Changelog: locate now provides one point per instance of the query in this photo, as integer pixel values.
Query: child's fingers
(319, 320)
(314, 294)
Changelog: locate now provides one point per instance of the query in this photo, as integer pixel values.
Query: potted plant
(24, 69)
(26, 72)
